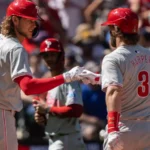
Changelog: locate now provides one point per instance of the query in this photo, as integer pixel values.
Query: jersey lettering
(143, 89)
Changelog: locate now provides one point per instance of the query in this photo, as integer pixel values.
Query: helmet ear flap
(36, 30)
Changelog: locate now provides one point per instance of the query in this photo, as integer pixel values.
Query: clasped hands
(41, 109)
(86, 76)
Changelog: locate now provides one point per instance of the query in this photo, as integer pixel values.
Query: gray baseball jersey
(63, 95)
(13, 63)
(129, 68)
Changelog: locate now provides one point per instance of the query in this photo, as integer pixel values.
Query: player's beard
(23, 33)
(113, 40)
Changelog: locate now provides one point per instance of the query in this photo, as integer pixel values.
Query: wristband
(113, 120)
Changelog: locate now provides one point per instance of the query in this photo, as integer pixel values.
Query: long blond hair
(7, 27)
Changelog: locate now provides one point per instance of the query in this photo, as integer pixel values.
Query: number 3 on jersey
(143, 89)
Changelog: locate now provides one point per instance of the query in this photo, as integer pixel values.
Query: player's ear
(112, 30)
(118, 31)
(15, 20)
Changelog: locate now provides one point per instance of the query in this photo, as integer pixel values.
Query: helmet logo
(48, 44)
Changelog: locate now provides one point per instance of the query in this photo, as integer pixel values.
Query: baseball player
(63, 104)
(15, 74)
(126, 81)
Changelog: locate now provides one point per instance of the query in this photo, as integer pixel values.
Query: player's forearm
(32, 86)
(113, 103)
(74, 110)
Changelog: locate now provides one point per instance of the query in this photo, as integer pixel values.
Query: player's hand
(90, 77)
(40, 119)
(73, 74)
(40, 106)
(114, 141)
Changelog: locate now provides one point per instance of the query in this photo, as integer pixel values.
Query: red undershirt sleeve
(74, 110)
(32, 86)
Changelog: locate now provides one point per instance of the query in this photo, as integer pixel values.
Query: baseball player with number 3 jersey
(63, 104)
(20, 23)
(126, 81)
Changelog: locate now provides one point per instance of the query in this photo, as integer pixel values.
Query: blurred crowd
(77, 24)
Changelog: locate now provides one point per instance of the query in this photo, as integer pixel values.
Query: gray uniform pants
(8, 137)
(72, 141)
(135, 135)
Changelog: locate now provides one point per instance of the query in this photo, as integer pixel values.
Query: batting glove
(90, 77)
(73, 74)
(114, 141)
(103, 134)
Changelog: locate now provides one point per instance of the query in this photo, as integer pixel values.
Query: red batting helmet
(23, 8)
(123, 18)
(51, 45)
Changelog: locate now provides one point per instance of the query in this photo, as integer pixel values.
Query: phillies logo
(48, 44)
